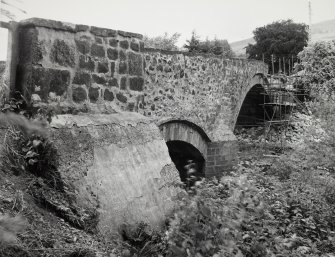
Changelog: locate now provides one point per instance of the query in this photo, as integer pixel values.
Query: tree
(164, 42)
(216, 46)
(193, 43)
(280, 39)
(221, 47)
(317, 69)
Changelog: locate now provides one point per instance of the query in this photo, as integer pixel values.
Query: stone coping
(65, 26)
(173, 52)
(84, 120)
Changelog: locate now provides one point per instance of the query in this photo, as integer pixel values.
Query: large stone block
(108, 95)
(99, 79)
(82, 78)
(86, 62)
(62, 54)
(136, 84)
(93, 94)
(134, 46)
(112, 83)
(30, 47)
(117, 164)
(103, 67)
(83, 46)
(102, 32)
(97, 50)
(121, 97)
(44, 81)
(113, 42)
(124, 44)
(79, 95)
(112, 54)
(123, 67)
(135, 62)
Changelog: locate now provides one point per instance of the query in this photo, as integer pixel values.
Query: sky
(224, 19)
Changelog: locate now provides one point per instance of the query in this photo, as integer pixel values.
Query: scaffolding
(280, 100)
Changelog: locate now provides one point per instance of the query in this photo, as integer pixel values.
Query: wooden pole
(289, 66)
(284, 65)
(273, 66)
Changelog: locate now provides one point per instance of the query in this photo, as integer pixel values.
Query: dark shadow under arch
(183, 154)
(252, 109)
(187, 144)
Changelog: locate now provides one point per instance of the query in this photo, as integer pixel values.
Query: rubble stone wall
(203, 89)
(86, 69)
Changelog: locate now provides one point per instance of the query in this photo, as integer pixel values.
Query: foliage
(271, 207)
(208, 221)
(20, 105)
(317, 77)
(142, 241)
(26, 148)
(164, 42)
(281, 39)
(216, 46)
(317, 69)
(193, 43)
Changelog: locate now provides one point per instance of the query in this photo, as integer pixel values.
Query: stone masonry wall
(77, 67)
(205, 90)
(90, 69)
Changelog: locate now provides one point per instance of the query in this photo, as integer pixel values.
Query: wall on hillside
(118, 164)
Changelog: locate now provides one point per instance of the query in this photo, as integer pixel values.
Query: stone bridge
(113, 94)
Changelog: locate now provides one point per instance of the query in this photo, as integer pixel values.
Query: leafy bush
(208, 222)
(141, 241)
(27, 148)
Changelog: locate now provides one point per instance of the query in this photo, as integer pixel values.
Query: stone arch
(187, 143)
(251, 106)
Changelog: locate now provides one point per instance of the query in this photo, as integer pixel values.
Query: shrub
(208, 222)
(27, 148)
(142, 241)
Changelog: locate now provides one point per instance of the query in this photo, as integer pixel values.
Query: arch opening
(255, 109)
(188, 160)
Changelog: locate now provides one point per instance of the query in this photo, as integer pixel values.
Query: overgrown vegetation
(164, 42)
(277, 203)
(277, 40)
(30, 157)
(216, 46)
